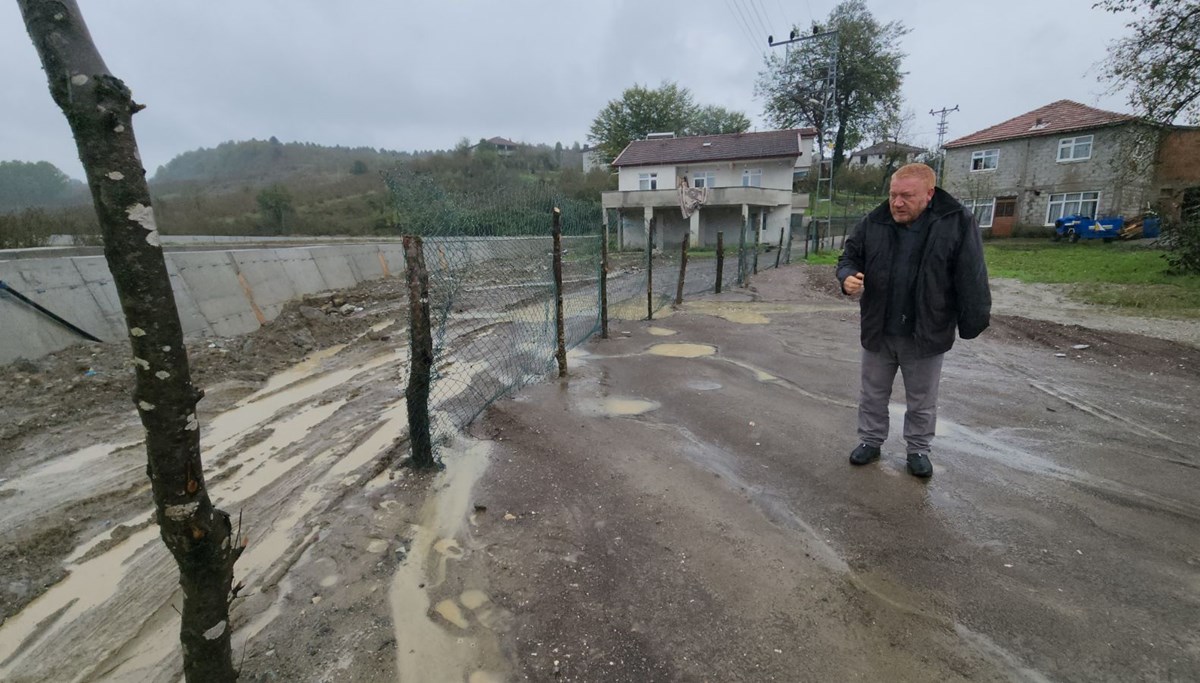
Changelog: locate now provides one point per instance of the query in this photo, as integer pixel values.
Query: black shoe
(864, 454)
(919, 465)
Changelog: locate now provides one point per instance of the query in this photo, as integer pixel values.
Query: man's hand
(853, 284)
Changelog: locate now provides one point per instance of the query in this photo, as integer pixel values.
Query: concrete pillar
(694, 228)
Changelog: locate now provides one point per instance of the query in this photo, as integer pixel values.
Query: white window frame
(1065, 199)
(1071, 147)
(648, 181)
(752, 177)
(704, 179)
(983, 156)
(975, 206)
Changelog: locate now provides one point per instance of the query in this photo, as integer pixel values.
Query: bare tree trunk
(99, 108)
(560, 352)
(720, 260)
(421, 347)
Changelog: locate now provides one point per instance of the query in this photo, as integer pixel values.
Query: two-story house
(1063, 158)
(736, 179)
(880, 153)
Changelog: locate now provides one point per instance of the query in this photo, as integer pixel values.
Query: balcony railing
(717, 196)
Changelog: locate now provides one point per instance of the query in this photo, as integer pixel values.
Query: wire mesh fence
(488, 258)
(487, 284)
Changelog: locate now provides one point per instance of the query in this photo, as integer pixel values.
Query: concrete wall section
(222, 293)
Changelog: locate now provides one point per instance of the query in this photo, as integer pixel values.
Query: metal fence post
(604, 285)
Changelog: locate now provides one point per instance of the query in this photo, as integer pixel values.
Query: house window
(985, 160)
(1072, 203)
(704, 179)
(752, 177)
(983, 210)
(647, 181)
(1075, 149)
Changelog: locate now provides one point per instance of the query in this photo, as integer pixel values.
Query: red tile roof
(1062, 116)
(700, 148)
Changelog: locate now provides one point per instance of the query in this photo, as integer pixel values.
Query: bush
(1182, 240)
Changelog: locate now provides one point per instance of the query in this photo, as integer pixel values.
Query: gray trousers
(921, 378)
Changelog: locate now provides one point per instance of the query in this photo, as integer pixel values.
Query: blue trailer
(1079, 227)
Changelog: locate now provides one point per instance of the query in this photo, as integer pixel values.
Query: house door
(1005, 217)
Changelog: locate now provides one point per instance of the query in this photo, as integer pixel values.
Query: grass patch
(1122, 275)
(829, 257)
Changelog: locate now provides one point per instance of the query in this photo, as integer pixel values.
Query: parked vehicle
(1079, 227)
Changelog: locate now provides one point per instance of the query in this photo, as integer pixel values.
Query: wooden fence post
(421, 349)
(720, 259)
(650, 271)
(561, 353)
(604, 285)
(682, 270)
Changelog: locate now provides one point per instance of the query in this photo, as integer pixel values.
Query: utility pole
(941, 129)
(825, 76)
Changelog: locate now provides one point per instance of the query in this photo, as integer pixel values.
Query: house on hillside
(699, 185)
(1068, 158)
(880, 153)
(503, 146)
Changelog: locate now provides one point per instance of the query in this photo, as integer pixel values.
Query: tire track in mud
(135, 577)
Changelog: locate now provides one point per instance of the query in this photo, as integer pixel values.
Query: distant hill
(232, 165)
(39, 184)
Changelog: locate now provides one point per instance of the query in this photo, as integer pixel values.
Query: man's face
(908, 198)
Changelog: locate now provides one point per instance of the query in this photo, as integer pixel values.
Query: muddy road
(679, 508)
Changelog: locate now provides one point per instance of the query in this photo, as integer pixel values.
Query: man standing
(918, 262)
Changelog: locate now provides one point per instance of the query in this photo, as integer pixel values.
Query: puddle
(448, 610)
(703, 385)
(626, 406)
(300, 371)
(380, 327)
(660, 331)
(473, 599)
(105, 467)
(256, 408)
(682, 350)
(615, 406)
(88, 585)
(427, 650)
(745, 314)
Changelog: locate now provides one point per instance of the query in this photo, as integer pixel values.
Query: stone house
(699, 185)
(1065, 158)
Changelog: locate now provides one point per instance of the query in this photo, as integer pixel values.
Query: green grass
(829, 257)
(1114, 274)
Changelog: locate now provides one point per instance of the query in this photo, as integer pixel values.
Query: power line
(743, 25)
(761, 24)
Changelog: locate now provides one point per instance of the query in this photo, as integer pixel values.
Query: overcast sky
(405, 75)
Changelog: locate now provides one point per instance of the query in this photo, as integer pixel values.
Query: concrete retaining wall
(222, 293)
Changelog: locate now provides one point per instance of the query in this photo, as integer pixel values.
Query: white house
(880, 153)
(703, 184)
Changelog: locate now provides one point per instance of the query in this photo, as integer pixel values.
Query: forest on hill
(267, 187)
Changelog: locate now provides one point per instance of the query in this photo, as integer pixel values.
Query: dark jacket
(952, 283)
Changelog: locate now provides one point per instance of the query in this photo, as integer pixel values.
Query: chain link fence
(491, 295)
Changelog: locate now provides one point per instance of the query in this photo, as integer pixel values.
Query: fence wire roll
(489, 262)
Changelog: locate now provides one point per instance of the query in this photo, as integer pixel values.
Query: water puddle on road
(682, 350)
(660, 331)
(744, 314)
(425, 649)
